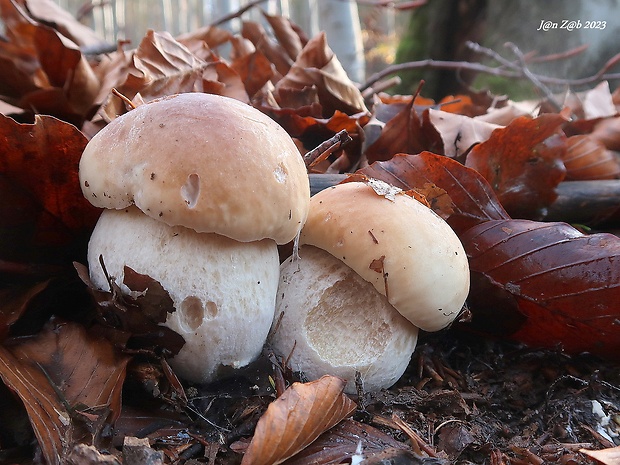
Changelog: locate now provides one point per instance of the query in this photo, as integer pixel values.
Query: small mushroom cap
(223, 290)
(203, 161)
(408, 253)
(331, 321)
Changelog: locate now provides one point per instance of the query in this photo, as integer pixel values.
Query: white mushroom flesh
(331, 321)
(223, 290)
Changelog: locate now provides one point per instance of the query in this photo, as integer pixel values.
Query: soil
(463, 400)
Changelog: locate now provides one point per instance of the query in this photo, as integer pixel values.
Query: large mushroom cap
(402, 247)
(203, 161)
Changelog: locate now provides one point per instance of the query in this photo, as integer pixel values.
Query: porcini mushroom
(198, 189)
(373, 270)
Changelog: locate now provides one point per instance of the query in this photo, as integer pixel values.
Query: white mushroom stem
(223, 290)
(333, 321)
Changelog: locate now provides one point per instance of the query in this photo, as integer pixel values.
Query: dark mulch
(464, 399)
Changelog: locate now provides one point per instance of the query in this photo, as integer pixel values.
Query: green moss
(515, 89)
(414, 46)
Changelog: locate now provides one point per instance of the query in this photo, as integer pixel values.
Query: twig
(124, 98)
(532, 77)
(511, 73)
(416, 441)
(475, 47)
(236, 14)
(393, 4)
(324, 150)
(559, 56)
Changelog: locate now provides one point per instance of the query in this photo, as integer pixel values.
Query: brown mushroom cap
(203, 161)
(403, 248)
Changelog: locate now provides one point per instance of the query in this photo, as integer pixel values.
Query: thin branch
(325, 149)
(236, 14)
(559, 56)
(473, 46)
(532, 77)
(507, 69)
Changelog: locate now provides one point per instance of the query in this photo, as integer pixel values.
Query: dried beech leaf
(607, 131)
(254, 69)
(564, 283)
(70, 384)
(64, 83)
(467, 198)
(312, 130)
(162, 66)
(598, 103)
(406, 132)
(50, 13)
(296, 419)
(317, 66)
(130, 322)
(588, 159)
(212, 36)
(523, 163)
(14, 303)
(40, 171)
(459, 133)
(274, 52)
(341, 442)
(609, 456)
(287, 34)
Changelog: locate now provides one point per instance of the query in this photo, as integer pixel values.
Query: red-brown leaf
(566, 284)
(49, 12)
(274, 52)
(254, 70)
(163, 66)
(342, 441)
(317, 66)
(64, 83)
(289, 36)
(295, 419)
(40, 165)
(470, 200)
(522, 162)
(406, 132)
(59, 374)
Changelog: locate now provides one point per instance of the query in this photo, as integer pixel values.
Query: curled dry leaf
(588, 159)
(162, 66)
(459, 133)
(263, 42)
(457, 193)
(252, 66)
(70, 384)
(39, 173)
(55, 77)
(566, 285)
(15, 302)
(406, 132)
(134, 322)
(342, 441)
(317, 66)
(609, 456)
(607, 131)
(290, 37)
(523, 163)
(598, 102)
(50, 13)
(296, 419)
